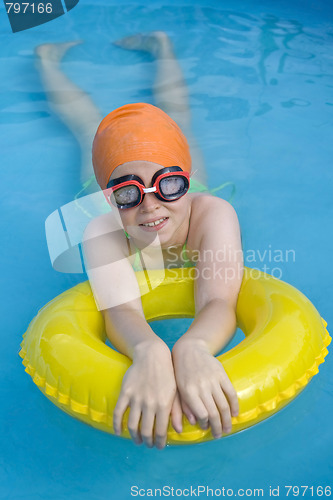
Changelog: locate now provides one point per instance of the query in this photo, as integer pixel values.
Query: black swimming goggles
(167, 184)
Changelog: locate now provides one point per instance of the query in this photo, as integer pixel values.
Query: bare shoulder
(207, 203)
(103, 224)
(103, 235)
(210, 214)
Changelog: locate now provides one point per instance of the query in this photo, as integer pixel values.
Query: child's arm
(149, 385)
(202, 383)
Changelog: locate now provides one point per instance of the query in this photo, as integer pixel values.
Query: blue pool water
(260, 76)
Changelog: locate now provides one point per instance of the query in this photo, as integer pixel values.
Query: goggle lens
(172, 187)
(126, 195)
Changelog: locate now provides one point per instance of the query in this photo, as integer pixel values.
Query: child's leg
(71, 104)
(79, 113)
(170, 90)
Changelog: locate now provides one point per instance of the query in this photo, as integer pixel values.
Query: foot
(156, 43)
(54, 51)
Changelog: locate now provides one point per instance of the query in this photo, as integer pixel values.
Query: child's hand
(149, 389)
(204, 386)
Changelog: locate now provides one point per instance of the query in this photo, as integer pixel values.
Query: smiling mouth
(155, 223)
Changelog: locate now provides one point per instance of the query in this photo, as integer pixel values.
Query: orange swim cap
(138, 132)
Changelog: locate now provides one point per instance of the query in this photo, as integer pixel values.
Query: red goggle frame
(160, 186)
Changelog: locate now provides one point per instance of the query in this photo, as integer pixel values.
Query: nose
(150, 203)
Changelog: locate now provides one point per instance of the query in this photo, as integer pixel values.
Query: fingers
(133, 423)
(214, 412)
(213, 415)
(231, 396)
(143, 425)
(161, 427)
(198, 409)
(189, 414)
(177, 414)
(214, 407)
(178, 408)
(118, 413)
(147, 428)
(226, 403)
(133, 420)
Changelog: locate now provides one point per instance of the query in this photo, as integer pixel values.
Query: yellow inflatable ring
(65, 353)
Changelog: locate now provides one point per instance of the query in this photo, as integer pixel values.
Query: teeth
(151, 224)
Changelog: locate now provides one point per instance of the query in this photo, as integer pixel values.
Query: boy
(142, 162)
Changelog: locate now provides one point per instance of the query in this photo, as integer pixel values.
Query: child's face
(175, 214)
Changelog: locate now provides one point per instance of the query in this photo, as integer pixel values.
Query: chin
(145, 238)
